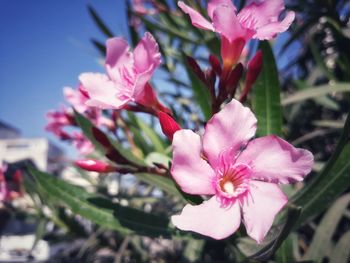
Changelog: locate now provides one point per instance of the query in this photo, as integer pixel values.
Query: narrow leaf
(266, 95)
(325, 187)
(99, 23)
(200, 90)
(341, 251)
(321, 243)
(101, 211)
(315, 92)
(102, 146)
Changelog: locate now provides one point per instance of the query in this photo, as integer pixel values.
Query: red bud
(215, 64)
(148, 98)
(168, 124)
(17, 176)
(196, 69)
(92, 165)
(254, 69)
(233, 79)
(101, 138)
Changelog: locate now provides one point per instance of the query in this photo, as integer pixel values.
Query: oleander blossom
(240, 174)
(127, 75)
(257, 20)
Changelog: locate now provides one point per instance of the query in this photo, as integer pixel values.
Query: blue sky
(44, 46)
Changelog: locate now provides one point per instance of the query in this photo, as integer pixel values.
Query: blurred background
(44, 47)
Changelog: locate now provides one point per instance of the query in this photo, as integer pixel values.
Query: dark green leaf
(266, 100)
(101, 211)
(104, 144)
(98, 21)
(200, 90)
(99, 46)
(325, 187)
(161, 182)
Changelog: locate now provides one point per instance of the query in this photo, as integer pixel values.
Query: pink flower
(139, 6)
(258, 20)
(127, 74)
(240, 174)
(76, 98)
(83, 145)
(57, 120)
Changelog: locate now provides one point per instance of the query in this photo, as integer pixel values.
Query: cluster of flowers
(239, 175)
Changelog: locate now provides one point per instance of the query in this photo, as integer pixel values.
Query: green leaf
(286, 252)
(341, 251)
(99, 23)
(99, 46)
(320, 61)
(161, 182)
(156, 157)
(39, 233)
(266, 95)
(325, 187)
(152, 136)
(101, 211)
(200, 90)
(321, 243)
(315, 92)
(87, 128)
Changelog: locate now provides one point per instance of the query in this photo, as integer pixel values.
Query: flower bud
(149, 99)
(215, 64)
(168, 124)
(196, 69)
(93, 165)
(233, 79)
(254, 69)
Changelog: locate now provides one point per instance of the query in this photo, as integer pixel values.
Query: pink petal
(197, 19)
(102, 92)
(75, 98)
(264, 18)
(270, 30)
(275, 160)
(117, 56)
(213, 4)
(209, 219)
(228, 129)
(259, 209)
(147, 59)
(189, 170)
(146, 54)
(226, 23)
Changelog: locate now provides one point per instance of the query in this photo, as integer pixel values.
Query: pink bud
(254, 69)
(168, 124)
(93, 165)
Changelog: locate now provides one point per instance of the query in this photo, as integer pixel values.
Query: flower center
(228, 187)
(232, 182)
